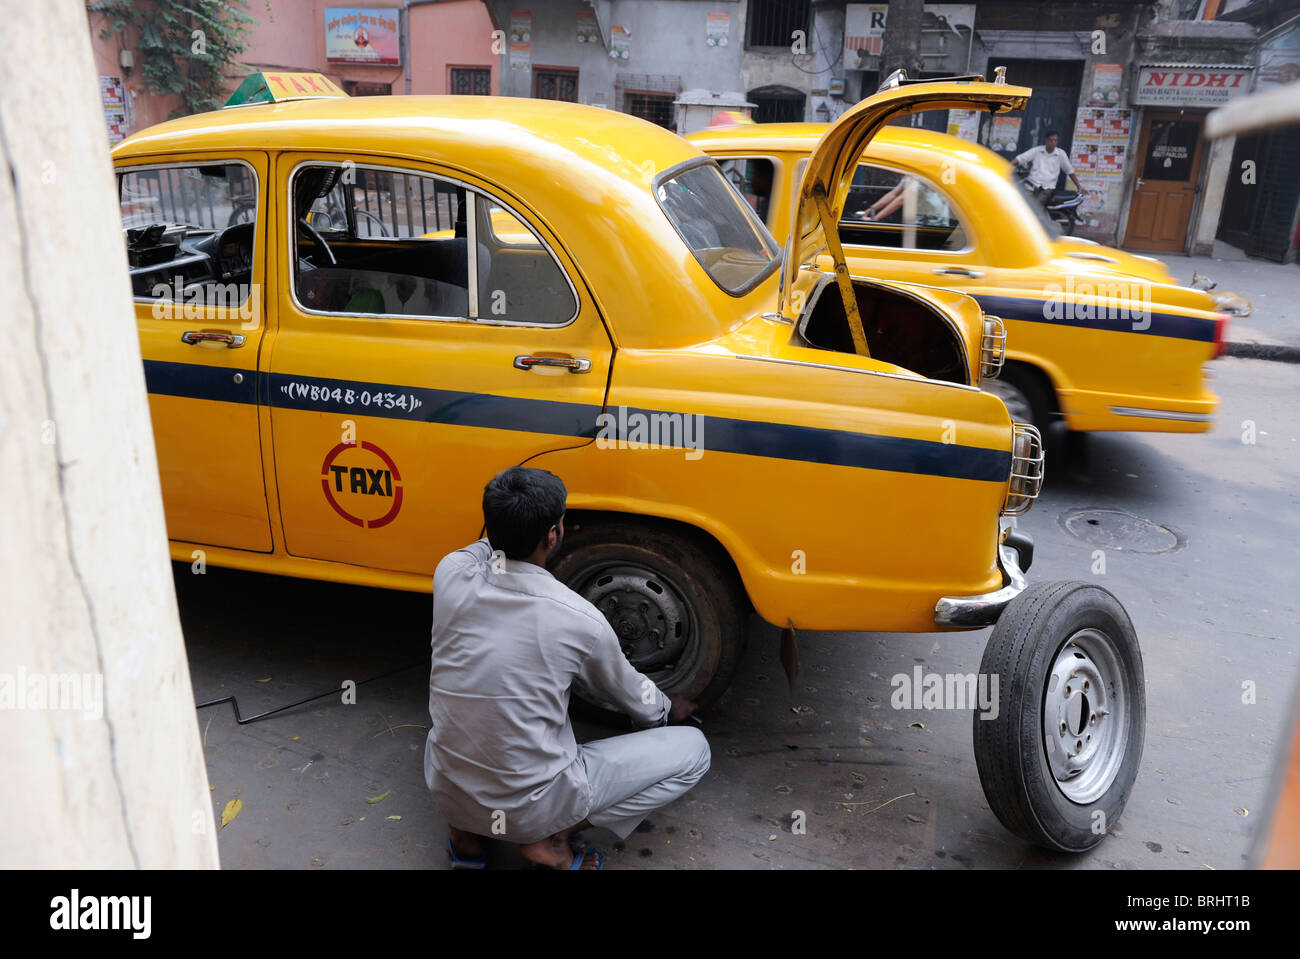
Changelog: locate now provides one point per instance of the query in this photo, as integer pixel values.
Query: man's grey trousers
(631, 776)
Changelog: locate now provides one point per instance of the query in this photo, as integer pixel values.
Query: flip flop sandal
(580, 856)
(458, 863)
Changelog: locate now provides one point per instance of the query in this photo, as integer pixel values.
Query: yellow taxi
(354, 312)
(1098, 337)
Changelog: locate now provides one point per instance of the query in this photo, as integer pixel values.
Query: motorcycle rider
(1046, 163)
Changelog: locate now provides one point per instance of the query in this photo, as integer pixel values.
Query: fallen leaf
(771, 838)
(1242, 811)
(393, 818)
(295, 738)
(211, 788)
(267, 680)
(231, 811)
(380, 798)
(362, 819)
(916, 725)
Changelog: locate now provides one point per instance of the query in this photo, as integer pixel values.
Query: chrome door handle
(957, 271)
(233, 341)
(570, 363)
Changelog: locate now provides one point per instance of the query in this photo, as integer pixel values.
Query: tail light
(1026, 470)
(1221, 336)
(993, 348)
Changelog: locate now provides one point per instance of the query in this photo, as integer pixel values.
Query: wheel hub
(1085, 716)
(647, 614)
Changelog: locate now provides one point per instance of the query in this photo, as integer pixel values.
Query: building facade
(423, 46)
(1126, 83)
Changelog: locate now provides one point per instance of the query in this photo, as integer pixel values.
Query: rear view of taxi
(1097, 338)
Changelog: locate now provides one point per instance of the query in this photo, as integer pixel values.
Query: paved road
(1217, 610)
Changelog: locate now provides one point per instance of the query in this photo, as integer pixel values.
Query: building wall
(667, 39)
(446, 35)
(289, 35)
(143, 108)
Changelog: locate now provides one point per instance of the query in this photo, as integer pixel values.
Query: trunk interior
(899, 329)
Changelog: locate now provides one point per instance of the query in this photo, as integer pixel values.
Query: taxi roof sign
(279, 87)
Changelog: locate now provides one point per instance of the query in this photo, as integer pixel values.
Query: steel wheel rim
(1085, 716)
(655, 625)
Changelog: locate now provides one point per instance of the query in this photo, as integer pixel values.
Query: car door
(196, 242)
(430, 334)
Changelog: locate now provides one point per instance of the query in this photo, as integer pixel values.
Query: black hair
(520, 505)
(1053, 133)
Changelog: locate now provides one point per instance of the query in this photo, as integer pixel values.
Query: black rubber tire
(1010, 753)
(699, 573)
(1041, 402)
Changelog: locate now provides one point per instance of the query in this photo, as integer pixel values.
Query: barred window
(649, 96)
(553, 84)
(656, 107)
(471, 81)
(772, 22)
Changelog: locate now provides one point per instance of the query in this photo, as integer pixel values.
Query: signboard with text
(366, 35)
(1189, 85)
(864, 26)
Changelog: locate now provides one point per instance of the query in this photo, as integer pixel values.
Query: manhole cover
(1116, 529)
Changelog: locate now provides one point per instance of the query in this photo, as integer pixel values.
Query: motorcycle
(1062, 206)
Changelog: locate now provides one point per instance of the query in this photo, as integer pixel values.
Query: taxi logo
(362, 483)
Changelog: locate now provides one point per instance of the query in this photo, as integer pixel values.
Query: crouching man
(509, 641)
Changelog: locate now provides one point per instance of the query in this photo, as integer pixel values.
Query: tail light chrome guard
(1027, 466)
(993, 347)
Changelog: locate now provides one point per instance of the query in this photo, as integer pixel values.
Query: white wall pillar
(87, 606)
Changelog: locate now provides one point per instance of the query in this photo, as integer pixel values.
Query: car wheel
(1058, 759)
(679, 610)
(1017, 403)
(1026, 398)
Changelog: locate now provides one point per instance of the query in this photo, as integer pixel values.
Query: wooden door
(1169, 162)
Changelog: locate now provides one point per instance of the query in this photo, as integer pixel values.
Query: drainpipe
(404, 24)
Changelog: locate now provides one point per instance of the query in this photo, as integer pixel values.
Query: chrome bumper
(972, 612)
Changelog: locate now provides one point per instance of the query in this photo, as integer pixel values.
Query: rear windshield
(722, 231)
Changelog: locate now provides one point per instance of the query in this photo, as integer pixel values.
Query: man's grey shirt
(509, 640)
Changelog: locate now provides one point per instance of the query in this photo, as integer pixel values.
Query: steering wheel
(383, 230)
(311, 230)
(241, 235)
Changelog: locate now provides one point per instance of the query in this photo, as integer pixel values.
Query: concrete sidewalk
(1272, 330)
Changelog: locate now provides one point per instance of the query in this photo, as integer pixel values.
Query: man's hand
(679, 709)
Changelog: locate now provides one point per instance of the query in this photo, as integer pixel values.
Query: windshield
(1026, 194)
(722, 231)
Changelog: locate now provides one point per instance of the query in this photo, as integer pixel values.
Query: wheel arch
(707, 541)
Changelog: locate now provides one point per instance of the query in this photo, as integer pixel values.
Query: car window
(388, 242)
(518, 279)
(380, 241)
(752, 178)
(189, 231)
(886, 208)
(720, 229)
